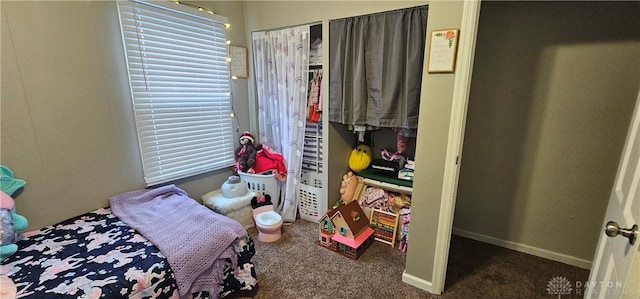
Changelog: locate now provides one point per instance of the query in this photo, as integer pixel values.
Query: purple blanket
(194, 239)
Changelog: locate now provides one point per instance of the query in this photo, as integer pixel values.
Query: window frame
(201, 111)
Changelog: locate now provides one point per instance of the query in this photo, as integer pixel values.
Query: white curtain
(281, 70)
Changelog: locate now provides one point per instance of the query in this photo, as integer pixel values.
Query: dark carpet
(296, 267)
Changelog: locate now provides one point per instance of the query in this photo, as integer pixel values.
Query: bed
(98, 255)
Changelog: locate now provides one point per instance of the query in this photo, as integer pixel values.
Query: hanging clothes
(314, 102)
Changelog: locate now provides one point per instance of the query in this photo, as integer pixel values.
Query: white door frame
(461, 89)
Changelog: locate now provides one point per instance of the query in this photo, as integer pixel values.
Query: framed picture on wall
(443, 46)
(238, 64)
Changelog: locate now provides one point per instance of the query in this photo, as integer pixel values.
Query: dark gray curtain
(376, 68)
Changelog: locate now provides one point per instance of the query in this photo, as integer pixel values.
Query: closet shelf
(370, 174)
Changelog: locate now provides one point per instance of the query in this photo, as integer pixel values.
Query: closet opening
(546, 123)
(375, 71)
(288, 73)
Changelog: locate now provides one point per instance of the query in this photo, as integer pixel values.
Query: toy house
(345, 230)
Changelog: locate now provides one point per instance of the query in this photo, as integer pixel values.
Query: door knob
(612, 229)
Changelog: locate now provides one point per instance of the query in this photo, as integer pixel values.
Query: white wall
(67, 123)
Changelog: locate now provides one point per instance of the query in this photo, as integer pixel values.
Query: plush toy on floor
(10, 224)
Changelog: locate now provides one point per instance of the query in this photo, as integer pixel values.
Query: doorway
(553, 89)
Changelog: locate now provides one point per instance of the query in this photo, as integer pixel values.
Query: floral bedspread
(95, 255)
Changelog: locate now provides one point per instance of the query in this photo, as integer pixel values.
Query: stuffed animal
(360, 158)
(10, 224)
(259, 159)
(348, 187)
(9, 184)
(246, 153)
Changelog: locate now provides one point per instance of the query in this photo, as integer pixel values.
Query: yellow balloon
(360, 158)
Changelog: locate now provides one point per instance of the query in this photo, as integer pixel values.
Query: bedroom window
(180, 88)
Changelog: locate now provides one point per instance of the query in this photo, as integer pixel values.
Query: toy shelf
(388, 186)
(387, 226)
(370, 174)
(366, 182)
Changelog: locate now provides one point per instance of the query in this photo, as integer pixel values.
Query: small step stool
(237, 208)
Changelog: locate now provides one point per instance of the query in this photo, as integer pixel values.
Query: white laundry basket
(312, 207)
(263, 184)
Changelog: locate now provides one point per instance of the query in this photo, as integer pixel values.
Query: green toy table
(370, 174)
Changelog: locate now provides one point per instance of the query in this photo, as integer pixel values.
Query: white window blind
(180, 86)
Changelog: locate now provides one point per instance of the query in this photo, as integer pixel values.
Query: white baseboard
(417, 282)
(543, 253)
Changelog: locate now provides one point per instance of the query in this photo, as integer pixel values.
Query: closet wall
(554, 85)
